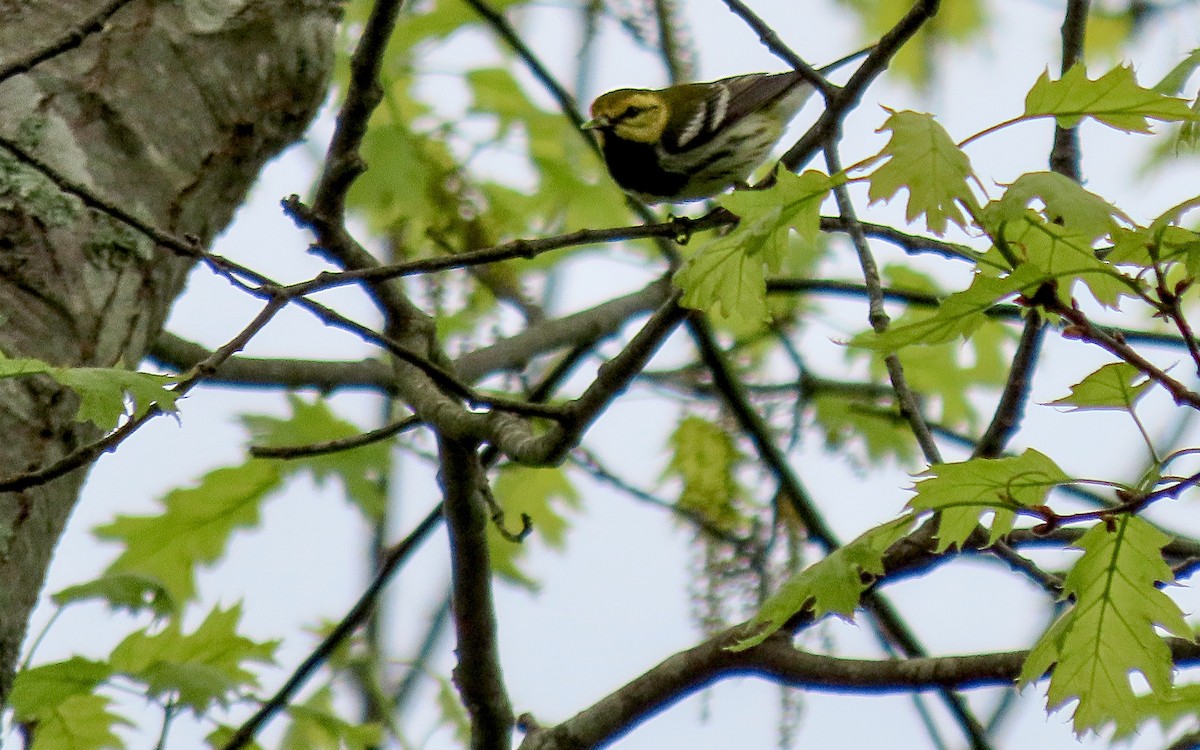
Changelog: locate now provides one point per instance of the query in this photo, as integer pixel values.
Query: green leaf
(958, 21)
(925, 161)
(1055, 251)
(962, 492)
(391, 147)
(1117, 385)
(38, 692)
(843, 418)
(199, 669)
(1172, 83)
(495, 91)
(128, 591)
(315, 726)
(102, 390)
(833, 585)
(219, 738)
(534, 492)
(565, 167)
(1115, 99)
(705, 458)
(359, 470)
(193, 528)
(81, 722)
(1168, 708)
(1110, 630)
(1164, 241)
(59, 701)
(1063, 202)
(453, 715)
(727, 277)
(960, 314)
(437, 20)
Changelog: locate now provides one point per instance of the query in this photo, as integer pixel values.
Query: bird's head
(634, 115)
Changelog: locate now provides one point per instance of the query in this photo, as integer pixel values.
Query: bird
(692, 141)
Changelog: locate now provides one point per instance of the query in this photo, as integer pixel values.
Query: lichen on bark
(170, 112)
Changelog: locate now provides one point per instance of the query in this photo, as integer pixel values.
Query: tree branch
(847, 98)
(910, 408)
(1065, 154)
(357, 615)
(1011, 408)
(478, 674)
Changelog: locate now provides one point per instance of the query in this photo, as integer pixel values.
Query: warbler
(694, 140)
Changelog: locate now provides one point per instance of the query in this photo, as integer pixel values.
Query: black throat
(635, 167)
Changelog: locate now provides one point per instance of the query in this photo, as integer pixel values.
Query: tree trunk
(169, 112)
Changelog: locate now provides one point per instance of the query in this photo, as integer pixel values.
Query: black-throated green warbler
(694, 140)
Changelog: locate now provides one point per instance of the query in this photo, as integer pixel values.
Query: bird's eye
(632, 111)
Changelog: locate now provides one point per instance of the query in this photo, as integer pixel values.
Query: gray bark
(169, 112)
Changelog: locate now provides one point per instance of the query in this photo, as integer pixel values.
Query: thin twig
(566, 102)
(676, 58)
(847, 97)
(363, 94)
(752, 424)
(392, 562)
(417, 666)
(772, 42)
(377, 435)
(593, 467)
(676, 229)
(877, 316)
(84, 455)
(1081, 327)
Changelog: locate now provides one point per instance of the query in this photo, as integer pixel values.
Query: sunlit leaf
(1110, 629)
(541, 494)
(122, 591)
(1117, 385)
(198, 669)
(38, 691)
(727, 277)
(958, 315)
(193, 528)
(832, 585)
(963, 492)
(81, 722)
(359, 470)
(705, 458)
(924, 160)
(1115, 99)
(103, 391)
(316, 726)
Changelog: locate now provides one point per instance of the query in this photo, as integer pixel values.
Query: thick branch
(477, 675)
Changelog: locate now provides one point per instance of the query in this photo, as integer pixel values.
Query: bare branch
(357, 615)
(910, 408)
(1065, 154)
(478, 673)
(846, 98)
(1011, 408)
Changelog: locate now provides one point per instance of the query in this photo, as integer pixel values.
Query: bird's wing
(724, 102)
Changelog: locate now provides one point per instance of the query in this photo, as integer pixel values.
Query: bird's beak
(596, 123)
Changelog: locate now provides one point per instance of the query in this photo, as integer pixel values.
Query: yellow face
(632, 114)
